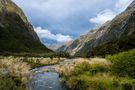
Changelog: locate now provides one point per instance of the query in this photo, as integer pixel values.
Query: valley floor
(93, 74)
(116, 72)
(16, 71)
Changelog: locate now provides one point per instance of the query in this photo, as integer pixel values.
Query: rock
(112, 37)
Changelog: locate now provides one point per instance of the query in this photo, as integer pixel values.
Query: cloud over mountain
(70, 17)
(46, 34)
(109, 14)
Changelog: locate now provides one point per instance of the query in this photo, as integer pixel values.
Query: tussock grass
(15, 66)
(41, 61)
(14, 73)
(93, 74)
(83, 63)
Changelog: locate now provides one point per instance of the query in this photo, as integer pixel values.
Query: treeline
(45, 55)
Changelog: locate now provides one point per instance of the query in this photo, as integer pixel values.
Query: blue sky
(58, 21)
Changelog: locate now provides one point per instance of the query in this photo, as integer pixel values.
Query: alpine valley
(112, 37)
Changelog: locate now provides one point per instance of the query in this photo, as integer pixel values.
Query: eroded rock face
(16, 33)
(84, 43)
(112, 37)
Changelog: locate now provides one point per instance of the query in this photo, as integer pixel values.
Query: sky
(59, 21)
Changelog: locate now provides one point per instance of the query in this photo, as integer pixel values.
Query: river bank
(115, 72)
(77, 74)
(17, 70)
(46, 78)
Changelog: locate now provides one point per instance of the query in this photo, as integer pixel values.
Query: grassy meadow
(116, 72)
(15, 71)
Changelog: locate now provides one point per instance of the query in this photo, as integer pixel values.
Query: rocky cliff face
(16, 33)
(112, 37)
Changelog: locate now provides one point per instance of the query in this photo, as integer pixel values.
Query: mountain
(64, 47)
(16, 33)
(54, 47)
(112, 37)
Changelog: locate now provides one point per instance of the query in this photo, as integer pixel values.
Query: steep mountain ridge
(16, 33)
(112, 37)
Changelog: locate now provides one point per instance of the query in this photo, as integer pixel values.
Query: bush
(14, 73)
(87, 66)
(123, 63)
(85, 74)
(8, 82)
(62, 54)
(100, 82)
(91, 67)
(41, 61)
(105, 49)
(93, 74)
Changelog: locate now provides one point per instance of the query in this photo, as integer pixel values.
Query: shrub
(94, 65)
(15, 66)
(14, 73)
(80, 66)
(41, 61)
(8, 82)
(105, 49)
(99, 82)
(123, 63)
(93, 74)
(127, 83)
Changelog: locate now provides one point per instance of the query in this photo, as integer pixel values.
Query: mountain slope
(16, 33)
(112, 37)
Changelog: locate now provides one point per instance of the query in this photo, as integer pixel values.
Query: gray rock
(112, 37)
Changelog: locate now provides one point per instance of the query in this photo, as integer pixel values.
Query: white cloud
(44, 33)
(109, 14)
(56, 9)
(121, 5)
(102, 17)
(59, 9)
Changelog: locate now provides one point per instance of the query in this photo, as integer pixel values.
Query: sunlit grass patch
(93, 74)
(14, 73)
(41, 61)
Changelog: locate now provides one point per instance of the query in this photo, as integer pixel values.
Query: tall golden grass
(15, 67)
(68, 68)
(92, 74)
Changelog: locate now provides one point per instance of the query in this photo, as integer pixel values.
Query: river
(49, 80)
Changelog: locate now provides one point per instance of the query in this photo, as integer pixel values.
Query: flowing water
(45, 80)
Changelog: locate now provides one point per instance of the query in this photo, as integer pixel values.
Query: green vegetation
(99, 82)
(123, 63)
(62, 54)
(40, 61)
(14, 73)
(94, 74)
(116, 72)
(105, 49)
(17, 37)
(8, 82)
(37, 55)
